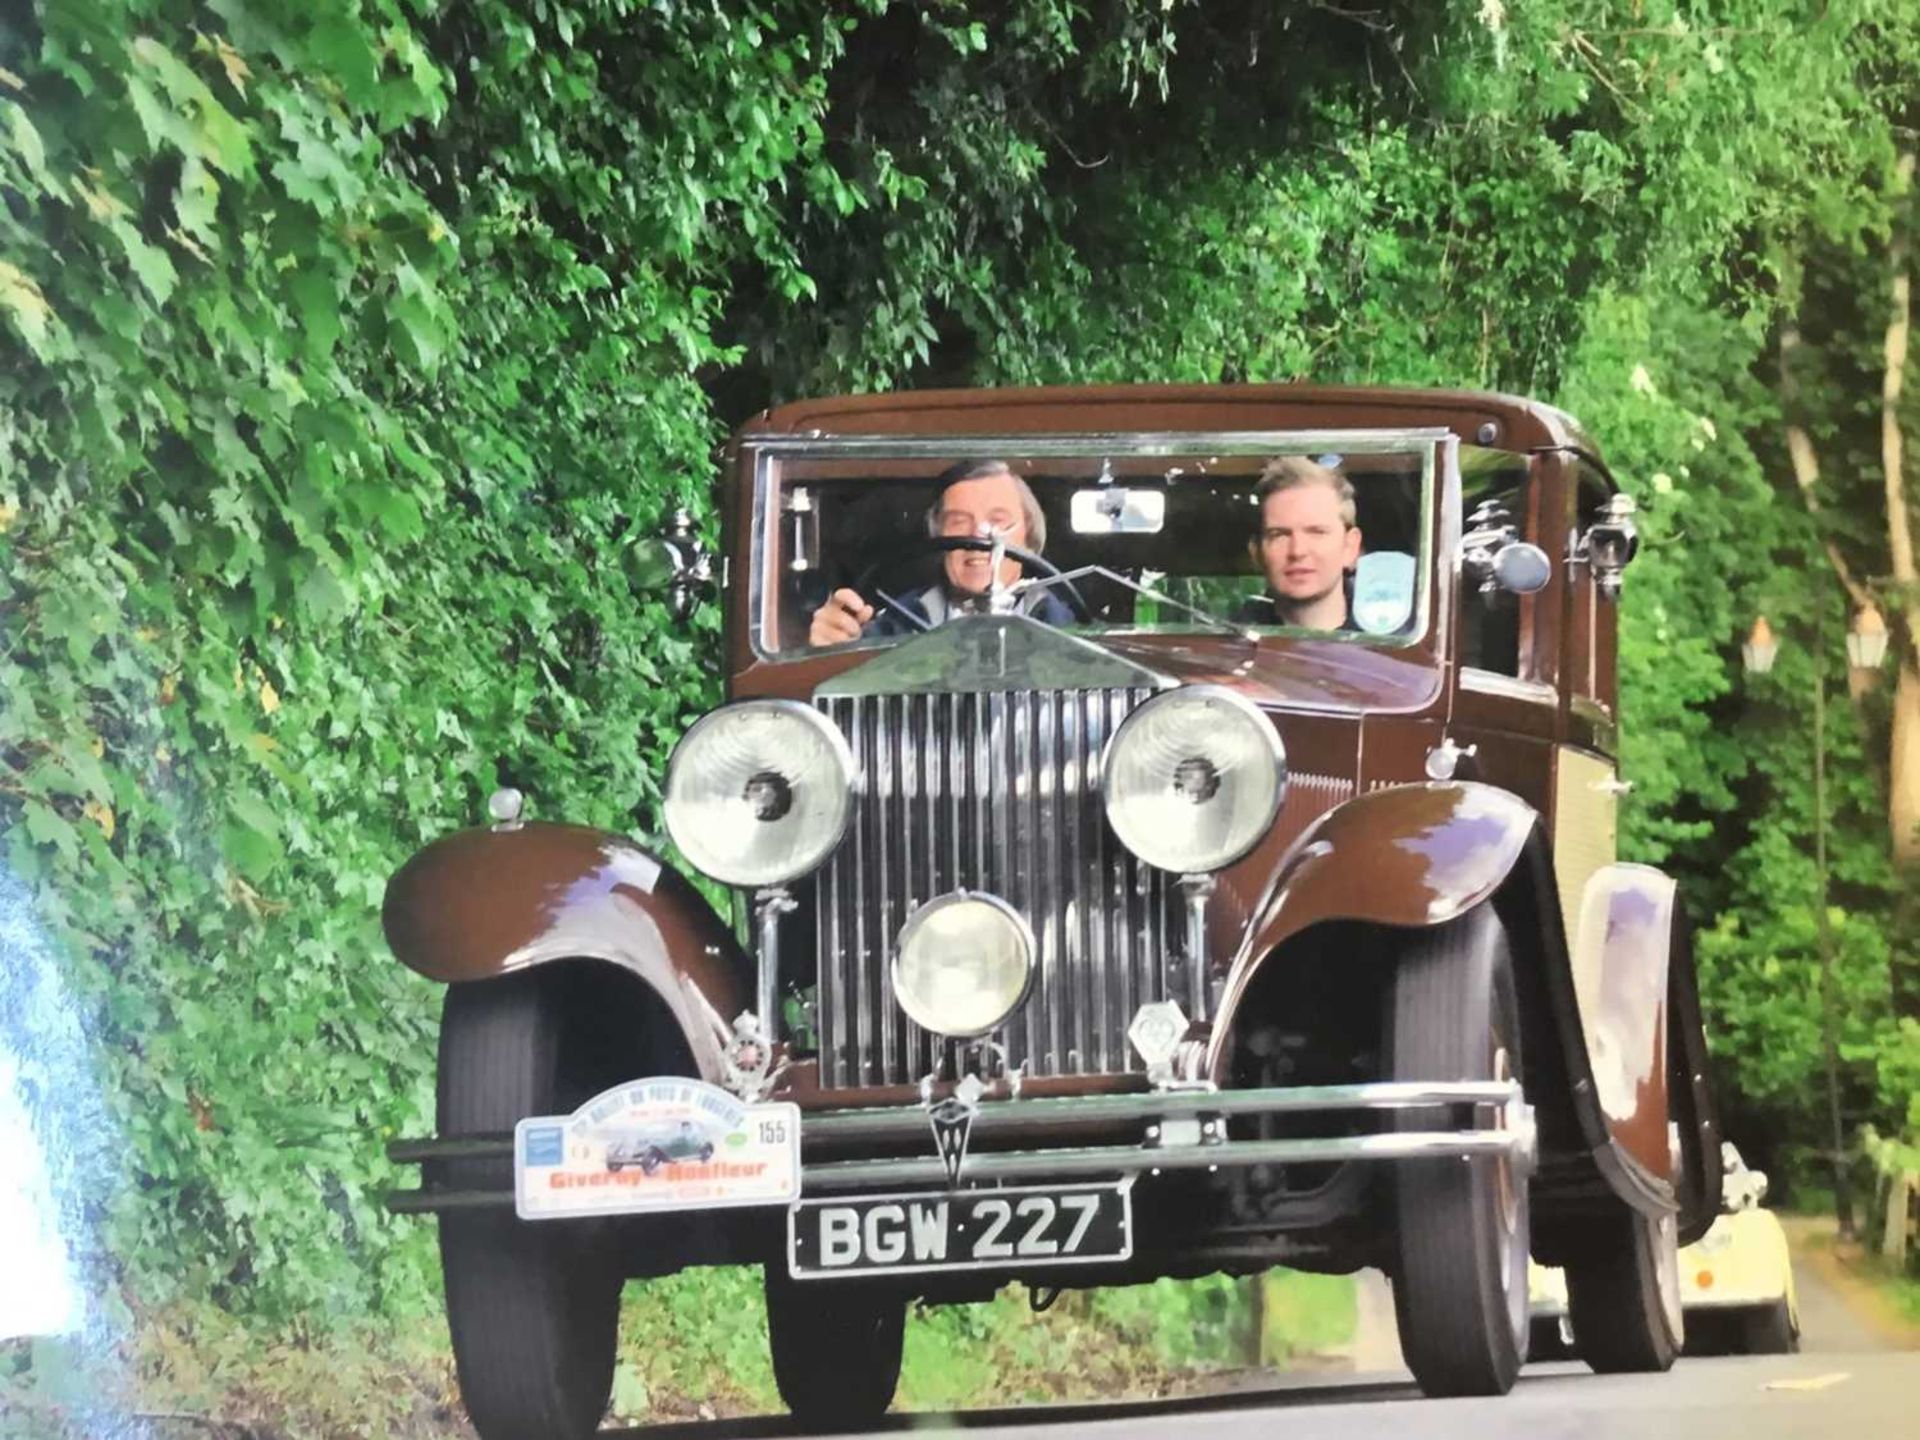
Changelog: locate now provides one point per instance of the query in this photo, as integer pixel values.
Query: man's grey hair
(1030, 509)
(1291, 472)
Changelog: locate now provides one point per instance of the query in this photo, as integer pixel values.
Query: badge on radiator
(952, 1121)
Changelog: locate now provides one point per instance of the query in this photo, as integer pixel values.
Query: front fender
(1616, 1014)
(1621, 951)
(1410, 855)
(483, 903)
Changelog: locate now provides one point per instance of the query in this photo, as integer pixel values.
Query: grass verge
(692, 1347)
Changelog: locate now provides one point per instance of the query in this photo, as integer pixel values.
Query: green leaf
(339, 45)
(196, 201)
(24, 140)
(416, 329)
(318, 301)
(27, 308)
(151, 265)
(251, 837)
(47, 828)
(321, 596)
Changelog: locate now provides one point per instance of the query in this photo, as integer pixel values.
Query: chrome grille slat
(858, 976)
(1046, 866)
(1093, 899)
(996, 792)
(886, 875)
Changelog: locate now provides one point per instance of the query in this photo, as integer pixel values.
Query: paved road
(1869, 1396)
(1844, 1383)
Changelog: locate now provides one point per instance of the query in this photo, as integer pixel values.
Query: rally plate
(666, 1143)
(1018, 1229)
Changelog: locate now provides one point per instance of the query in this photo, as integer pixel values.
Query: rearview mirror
(1116, 510)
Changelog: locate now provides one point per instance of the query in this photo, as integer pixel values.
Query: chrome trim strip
(1004, 1116)
(861, 1068)
(1491, 682)
(1133, 1159)
(1034, 758)
(999, 1117)
(1096, 905)
(1091, 443)
(885, 737)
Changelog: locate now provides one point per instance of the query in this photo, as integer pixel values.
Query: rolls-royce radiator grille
(996, 792)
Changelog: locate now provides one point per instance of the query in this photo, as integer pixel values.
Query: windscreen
(1323, 535)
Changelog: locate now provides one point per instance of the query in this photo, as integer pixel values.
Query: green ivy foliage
(346, 345)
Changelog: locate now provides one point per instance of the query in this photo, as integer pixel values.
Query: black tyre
(1547, 1339)
(836, 1350)
(532, 1309)
(1769, 1329)
(1625, 1298)
(1460, 1281)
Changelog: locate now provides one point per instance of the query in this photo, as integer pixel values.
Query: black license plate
(1015, 1229)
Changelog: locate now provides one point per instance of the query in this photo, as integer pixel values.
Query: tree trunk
(1903, 770)
(1903, 801)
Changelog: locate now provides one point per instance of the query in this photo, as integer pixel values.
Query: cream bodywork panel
(1585, 841)
(1617, 918)
(1585, 836)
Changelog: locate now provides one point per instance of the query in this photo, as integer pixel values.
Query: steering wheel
(1030, 561)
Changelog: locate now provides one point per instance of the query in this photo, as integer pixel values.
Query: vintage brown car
(1102, 910)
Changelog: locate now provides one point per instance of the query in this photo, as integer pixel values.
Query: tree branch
(1806, 464)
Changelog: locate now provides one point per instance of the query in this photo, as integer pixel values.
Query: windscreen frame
(1434, 446)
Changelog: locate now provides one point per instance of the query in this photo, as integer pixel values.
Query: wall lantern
(1761, 648)
(1866, 639)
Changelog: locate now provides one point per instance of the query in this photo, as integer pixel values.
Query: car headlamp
(963, 964)
(760, 792)
(1193, 779)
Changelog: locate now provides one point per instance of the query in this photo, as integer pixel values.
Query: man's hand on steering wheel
(1030, 561)
(841, 619)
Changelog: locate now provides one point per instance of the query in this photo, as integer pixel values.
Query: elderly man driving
(982, 498)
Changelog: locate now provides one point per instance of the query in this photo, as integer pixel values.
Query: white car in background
(1736, 1281)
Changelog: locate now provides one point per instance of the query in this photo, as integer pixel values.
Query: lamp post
(1866, 648)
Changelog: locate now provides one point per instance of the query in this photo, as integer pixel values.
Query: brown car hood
(1291, 674)
(1015, 652)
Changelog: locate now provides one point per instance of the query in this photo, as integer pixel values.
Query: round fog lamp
(963, 964)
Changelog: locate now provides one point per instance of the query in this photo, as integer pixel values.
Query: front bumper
(1175, 1130)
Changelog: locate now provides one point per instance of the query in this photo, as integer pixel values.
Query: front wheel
(1460, 1281)
(1625, 1298)
(836, 1350)
(532, 1309)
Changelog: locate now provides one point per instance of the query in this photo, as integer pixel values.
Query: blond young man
(1306, 545)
